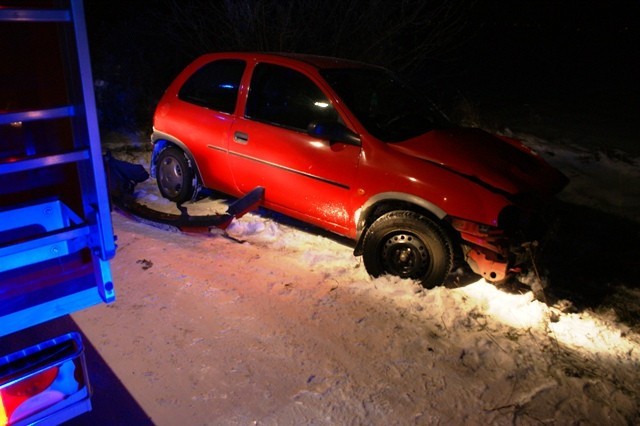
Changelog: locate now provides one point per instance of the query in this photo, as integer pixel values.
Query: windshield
(388, 109)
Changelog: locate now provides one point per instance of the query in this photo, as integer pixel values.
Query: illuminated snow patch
(581, 331)
(516, 310)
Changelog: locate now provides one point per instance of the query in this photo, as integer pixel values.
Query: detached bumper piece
(186, 222)
(45, 383)
(124, 176)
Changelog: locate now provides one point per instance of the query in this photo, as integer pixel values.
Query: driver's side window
(286, 98)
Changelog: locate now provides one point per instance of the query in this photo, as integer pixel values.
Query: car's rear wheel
(408, 245)
(175, 175)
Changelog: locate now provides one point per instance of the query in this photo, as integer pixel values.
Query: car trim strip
(298, 172)
(218, 148)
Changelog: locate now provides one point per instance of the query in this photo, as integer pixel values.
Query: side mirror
(333, 132)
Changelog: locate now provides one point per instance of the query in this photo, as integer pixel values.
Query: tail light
(44, 383)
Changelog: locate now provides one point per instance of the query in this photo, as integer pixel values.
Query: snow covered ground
(272, 323)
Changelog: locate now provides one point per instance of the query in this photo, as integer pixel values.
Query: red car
(347, 147)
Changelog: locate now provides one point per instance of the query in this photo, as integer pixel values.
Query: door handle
(241, 138)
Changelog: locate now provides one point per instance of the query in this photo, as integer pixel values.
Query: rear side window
(287, 98)
(215, 85)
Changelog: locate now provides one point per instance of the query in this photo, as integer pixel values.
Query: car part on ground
(123, 177)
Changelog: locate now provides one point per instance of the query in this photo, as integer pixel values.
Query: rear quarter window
(215, 85)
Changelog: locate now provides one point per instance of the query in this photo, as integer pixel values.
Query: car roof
(316, 61)
(323, 62)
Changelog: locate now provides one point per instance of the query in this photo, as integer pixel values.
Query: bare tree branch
(402, 34)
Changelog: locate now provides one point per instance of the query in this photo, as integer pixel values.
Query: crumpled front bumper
(496, 254)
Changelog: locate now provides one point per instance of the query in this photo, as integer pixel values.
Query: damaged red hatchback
(347, 147)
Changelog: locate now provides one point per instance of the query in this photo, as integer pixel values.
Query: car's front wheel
(408, 245)
(175, 175)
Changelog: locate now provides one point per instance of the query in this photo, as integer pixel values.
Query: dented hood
(502, 163)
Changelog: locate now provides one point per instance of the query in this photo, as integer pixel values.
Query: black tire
(408, 245)
(174, 175)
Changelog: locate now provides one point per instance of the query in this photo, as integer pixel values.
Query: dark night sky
(573, 65)
(516, 50)
(567, 38)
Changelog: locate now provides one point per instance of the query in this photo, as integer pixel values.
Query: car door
(302, 175)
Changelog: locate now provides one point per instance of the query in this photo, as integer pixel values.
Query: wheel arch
(162, 141)
(385, 202)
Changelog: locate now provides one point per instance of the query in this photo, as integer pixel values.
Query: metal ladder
(56, 234)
